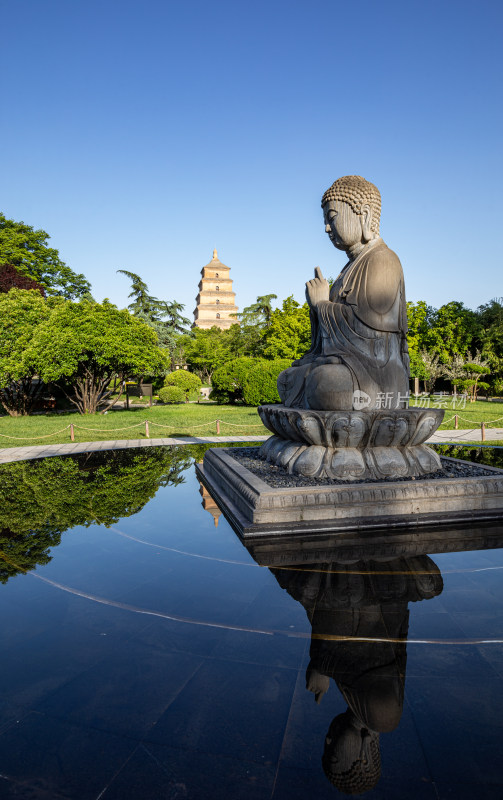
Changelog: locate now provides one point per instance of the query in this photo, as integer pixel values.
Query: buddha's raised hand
(317, 289)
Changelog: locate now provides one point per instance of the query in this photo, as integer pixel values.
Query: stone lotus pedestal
(361, 470)
(351, 445)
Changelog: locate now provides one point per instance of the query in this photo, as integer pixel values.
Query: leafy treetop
(27, 250)
(87, 345)
(21, 314)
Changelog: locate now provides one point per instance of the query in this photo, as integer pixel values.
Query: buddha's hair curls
(355, 191)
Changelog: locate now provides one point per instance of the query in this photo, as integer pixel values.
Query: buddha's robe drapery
(364, 326)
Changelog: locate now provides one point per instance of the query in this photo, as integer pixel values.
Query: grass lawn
(473, 414)
(190, 419)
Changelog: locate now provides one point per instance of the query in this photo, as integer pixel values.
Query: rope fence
(147, 424)
(32, 438)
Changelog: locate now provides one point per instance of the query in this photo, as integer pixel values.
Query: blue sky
(141, 135)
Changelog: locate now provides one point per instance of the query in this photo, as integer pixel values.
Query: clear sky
(142, 134)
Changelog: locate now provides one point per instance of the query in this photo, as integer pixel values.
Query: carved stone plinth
(351, 445)
(256, 509)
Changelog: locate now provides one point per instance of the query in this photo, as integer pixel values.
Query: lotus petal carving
(351, 445)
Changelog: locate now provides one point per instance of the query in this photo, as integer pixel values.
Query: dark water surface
(145, 654)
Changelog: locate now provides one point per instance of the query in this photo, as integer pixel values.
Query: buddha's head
(351, 759)
(351, 210)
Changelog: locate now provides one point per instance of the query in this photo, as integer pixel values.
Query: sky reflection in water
(145, 653)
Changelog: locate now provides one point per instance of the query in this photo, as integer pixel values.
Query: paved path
(9, 454)
(465, 435)
(43, 450)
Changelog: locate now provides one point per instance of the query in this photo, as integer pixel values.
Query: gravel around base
(278, 477)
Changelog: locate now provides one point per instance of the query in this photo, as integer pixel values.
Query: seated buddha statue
(359, 325)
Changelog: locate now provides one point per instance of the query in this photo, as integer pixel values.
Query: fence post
(147, 432)
(72, 434)
(218, 427)
(456, 422)
(483, 431)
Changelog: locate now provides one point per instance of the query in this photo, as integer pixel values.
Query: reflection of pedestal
(351, 445)
(209, 504)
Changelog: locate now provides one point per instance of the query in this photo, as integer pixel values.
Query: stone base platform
(256, 509)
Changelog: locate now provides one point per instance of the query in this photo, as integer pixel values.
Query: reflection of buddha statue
(360, 620)
(359, 326)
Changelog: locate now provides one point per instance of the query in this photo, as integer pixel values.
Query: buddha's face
(343, 226)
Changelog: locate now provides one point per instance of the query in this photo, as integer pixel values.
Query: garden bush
(184, 380)
(251, 381)
(171, 394)
(260, 385)
(227, 381)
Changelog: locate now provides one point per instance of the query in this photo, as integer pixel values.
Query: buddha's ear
(366, 218)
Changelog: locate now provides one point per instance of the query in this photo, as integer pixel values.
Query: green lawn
(190, 419)
(180, 420)
(473, 414)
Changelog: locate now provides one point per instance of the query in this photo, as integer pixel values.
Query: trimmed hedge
(184, 380)
(172, 394)
(248, 380)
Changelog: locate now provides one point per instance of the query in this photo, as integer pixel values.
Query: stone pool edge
(255, 509)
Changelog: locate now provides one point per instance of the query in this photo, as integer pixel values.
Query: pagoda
(209, 504)
(216, 301)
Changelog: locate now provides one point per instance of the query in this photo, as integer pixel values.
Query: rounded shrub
(227, 381)
(248, 380)
(260, 384)
(171, 394)
(185, 380)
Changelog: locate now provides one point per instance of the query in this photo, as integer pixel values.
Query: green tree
(475, 369)
(207, 349)
(21, 313)
(490, 336)
(92, 347)
(142, 302)
(172, 312)
(418, 318)
(289, 333)
(163, 316)
(27, 249)
(259, 313)
(452, 328)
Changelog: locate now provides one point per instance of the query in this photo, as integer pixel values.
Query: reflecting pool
(147, 653)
